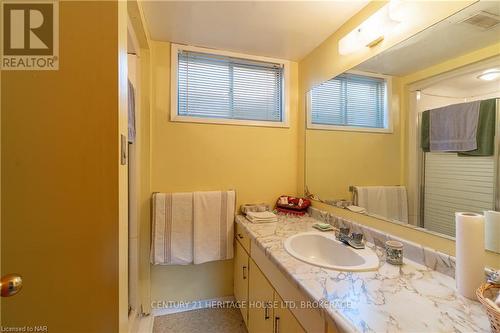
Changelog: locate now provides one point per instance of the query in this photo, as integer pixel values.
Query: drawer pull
(244, 272)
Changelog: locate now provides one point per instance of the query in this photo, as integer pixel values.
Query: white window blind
(454, 183)
(216, 86)
(350, 100)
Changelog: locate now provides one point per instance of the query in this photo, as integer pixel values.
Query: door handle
(276, 324)
(266, 311)
(10, 285)
(244, 272)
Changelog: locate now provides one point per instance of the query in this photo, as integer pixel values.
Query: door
(241, 279)
(64, 206)
(260, 301)
(284, 321)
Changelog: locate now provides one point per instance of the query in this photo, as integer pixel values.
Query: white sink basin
(324, 250)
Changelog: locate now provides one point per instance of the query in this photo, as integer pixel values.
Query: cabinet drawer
(242, 236)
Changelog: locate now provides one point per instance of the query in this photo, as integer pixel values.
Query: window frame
(174, 112)
(388, 114)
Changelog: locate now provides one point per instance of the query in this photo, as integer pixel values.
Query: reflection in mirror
(412, 135)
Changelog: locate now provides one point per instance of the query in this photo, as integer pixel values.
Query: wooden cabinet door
(260, 300)
(241, 278)
(284, 321)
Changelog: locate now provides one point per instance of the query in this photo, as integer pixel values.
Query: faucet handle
(357, 237)
(344, 231)
(343, 234)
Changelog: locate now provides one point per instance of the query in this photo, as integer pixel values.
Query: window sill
(237, 122)
(349, 128)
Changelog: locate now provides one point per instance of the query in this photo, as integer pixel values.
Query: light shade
(369, 33)
(489, 75)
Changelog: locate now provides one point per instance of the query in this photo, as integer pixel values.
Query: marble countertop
(407, 298)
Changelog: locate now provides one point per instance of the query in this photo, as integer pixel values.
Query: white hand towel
(256, 220)
(172, 229)
(262, 215)
(388, 202)
(213, 226)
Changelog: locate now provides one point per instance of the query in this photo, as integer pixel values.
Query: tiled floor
(201, 321)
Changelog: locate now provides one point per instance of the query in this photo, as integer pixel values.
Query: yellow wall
(337, 159)
(60, 180)
(325, 62)
(260, 163)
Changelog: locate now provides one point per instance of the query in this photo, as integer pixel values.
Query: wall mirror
(367, 131)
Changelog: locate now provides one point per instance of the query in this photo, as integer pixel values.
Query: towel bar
(352, 188)
(354, 196)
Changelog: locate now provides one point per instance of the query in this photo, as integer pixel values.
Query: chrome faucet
(354, 239)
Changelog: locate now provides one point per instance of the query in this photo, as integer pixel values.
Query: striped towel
(213, 216)
(389, 202)
(172, 229)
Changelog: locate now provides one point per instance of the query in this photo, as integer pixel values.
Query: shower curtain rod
(444, 96)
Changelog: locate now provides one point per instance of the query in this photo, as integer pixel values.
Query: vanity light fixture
(371, 32)
(489, 75)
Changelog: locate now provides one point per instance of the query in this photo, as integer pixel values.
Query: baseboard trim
(194, 305)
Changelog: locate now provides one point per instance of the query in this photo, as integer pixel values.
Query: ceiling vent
(483, 20)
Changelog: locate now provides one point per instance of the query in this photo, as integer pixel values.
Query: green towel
(485, 130)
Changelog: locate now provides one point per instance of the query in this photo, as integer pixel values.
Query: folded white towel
(172, 229)
(213, 226)
(356, 209)
(262, 217)
(255, 220)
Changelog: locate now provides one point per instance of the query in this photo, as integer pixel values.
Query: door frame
(134, 178)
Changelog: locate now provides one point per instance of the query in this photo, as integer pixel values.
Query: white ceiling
(445, 40)
(467, 84)
(279, 29)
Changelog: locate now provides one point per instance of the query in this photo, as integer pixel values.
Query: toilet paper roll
(492, 230)
(469, 270)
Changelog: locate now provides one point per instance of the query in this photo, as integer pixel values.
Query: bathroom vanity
(420, 295)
